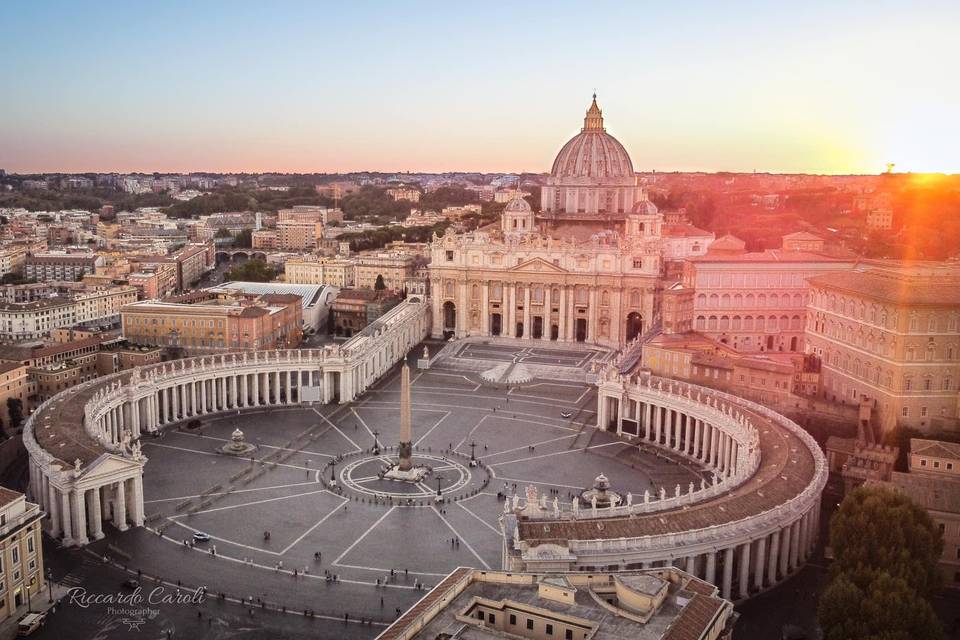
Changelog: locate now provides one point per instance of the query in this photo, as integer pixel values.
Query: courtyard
(283, 534)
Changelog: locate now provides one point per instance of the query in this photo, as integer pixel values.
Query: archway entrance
(634, 325)
(537, 327)
(449, 319)
(581, 330)
(554, 332)
(495, 322)
(519, 333)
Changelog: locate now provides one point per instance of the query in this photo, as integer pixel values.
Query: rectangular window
(549, 629)
(568, 634)
(449, 256)
(513, 618)
(491, 618)
(530, 623)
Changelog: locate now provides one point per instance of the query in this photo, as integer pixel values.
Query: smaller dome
(518, 205)
(645, 207)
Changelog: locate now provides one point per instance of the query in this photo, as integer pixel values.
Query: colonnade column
(65, 518)
(745, 570)
(120, 506)
(137, 500)
(711, 567)
(774, 557)
(785, 551)
(244, 398)
(727, 572)
(761, 557)
(54, 505)
(96, 526)
(79, 516)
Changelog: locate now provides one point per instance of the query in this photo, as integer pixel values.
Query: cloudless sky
(827, 87)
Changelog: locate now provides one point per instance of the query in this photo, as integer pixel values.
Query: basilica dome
(593, 153)
(518, 204)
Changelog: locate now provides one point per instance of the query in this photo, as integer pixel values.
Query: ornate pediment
(537, 265)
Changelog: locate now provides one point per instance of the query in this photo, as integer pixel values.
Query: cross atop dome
(594, 119)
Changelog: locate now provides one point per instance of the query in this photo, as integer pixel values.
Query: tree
(379, 285)
(883, 608)
(223, 233)
(244, 239)
(251, 271)
(15, 411)
(876, 529)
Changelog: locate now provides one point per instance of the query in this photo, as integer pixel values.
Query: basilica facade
(583, 269)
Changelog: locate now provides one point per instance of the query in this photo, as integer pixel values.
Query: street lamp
(33, 579)
(473, 457)
(50, 585)
(376, 443)
(333, 473)
(439, 479)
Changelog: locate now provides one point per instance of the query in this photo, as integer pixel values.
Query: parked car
(30, 623)
(200, 536)
(131, 584)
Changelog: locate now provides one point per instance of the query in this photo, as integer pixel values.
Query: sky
(819, 87)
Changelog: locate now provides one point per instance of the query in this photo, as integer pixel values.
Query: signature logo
(133, 625)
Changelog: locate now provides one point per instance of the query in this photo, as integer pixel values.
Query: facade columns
(527, 322)
(485, 309)
(562, 318)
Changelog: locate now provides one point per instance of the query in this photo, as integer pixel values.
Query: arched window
(701, 323)
(748, 323)
(702, 300)
(712, 323)
(604, 298)
(724, 323)
(475, 292)
(736, 323)
(448, 289)
(714, 300)
(635, 298)
(737, 300)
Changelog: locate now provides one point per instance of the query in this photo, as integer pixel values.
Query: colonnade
(77, 513)
(99, 476)
(742, 533)
(673, 429)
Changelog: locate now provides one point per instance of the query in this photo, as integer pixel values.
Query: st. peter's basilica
(584, 268)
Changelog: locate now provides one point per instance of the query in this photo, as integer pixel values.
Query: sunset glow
(297, 87)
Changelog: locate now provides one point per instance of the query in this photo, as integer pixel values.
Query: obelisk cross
(405, 463)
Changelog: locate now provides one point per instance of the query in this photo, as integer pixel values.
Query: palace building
(583, 269)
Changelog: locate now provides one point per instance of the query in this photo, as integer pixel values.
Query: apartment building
(755, 302)
(60, 266)
(395, 268)
(21, 553)
(216, 321)
(890, 334)
(337, 272)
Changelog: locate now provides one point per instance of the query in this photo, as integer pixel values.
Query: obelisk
(405, 462)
